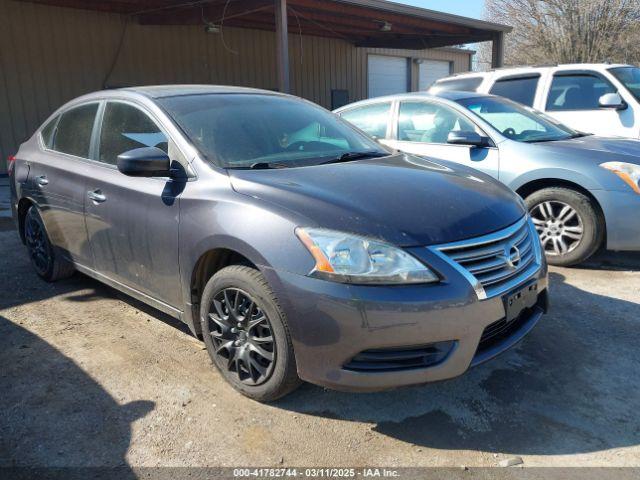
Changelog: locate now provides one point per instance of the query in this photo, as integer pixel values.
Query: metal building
(329, 51)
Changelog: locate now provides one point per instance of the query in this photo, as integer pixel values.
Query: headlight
(347, 258)
(628, 172)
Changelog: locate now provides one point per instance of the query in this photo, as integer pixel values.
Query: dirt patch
(83, 365)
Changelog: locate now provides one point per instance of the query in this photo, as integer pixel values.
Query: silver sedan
(582, 191)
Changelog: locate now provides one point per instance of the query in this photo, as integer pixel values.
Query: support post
(282, 46)
(497, 51)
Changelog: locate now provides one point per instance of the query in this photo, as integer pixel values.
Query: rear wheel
(46, 260)
(570, 227)
(246, 334)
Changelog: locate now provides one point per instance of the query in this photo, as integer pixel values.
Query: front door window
(429, 123)
(124, 128)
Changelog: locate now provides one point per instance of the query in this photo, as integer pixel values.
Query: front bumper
(331, 323)
(621, 216)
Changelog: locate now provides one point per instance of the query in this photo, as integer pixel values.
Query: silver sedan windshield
(517, 122)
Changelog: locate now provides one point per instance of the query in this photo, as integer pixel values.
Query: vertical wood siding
(49, 55)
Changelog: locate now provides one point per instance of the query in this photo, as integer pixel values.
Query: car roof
(451, 95)
(458, 95)
(161, 91)
(154, 92)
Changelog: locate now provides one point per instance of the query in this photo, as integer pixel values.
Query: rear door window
(580, 91)
(372, 119)
(48, 131)
(73, 133)
(124, 128)
(521, 89)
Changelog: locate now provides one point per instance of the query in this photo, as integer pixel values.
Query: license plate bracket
(519, 300)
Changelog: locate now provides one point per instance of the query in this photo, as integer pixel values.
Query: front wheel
(570, 227)
(246, 334)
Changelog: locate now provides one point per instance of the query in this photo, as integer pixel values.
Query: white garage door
(432, 70)
(387, 75)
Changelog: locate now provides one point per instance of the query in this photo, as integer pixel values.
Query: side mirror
(612, 100)
(145, 162)
(467, 138)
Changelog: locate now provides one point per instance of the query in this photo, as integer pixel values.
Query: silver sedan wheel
(559, 226)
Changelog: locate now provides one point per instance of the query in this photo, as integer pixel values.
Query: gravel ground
(91, 377)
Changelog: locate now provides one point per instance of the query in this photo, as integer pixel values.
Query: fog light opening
(400, 358)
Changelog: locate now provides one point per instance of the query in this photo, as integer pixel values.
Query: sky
(466, 8)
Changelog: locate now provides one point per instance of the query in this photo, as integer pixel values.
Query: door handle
(42, 180)
(96, 196)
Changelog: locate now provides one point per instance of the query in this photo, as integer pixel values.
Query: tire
(561, 216)
(247, 367)
(45, 257)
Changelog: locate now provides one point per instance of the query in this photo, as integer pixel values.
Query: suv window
(521, 89)
(577, 92)
(430, 123)
(630, 78)
(371, 119)
(73, 133)
(124, 128)
(459, 84)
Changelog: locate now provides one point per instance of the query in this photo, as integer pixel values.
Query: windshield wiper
(543, 140)
(267, 165)
(546, 140)
(580, 135)
(349, 156)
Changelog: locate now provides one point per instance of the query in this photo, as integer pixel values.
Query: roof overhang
(365, 23)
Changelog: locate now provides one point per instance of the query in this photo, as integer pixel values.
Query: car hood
(401, 199)
(593, 147)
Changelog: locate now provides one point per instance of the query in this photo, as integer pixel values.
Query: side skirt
(143, 297)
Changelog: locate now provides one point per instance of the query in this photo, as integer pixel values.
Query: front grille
(398, 359)
(497, 262)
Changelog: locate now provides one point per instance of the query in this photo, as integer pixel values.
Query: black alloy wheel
(242, 336)
(38, 246)
(247, 334)
(47, 260)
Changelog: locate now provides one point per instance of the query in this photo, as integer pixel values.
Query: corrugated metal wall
(49, 55)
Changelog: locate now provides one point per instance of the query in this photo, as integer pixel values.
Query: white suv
(603, 99)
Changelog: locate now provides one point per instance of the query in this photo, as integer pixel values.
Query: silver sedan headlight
(628, 172)
(348, 258)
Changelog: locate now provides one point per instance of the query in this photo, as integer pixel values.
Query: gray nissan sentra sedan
(296, 246)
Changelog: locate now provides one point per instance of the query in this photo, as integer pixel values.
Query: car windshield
(266, 131)
(516, 121)
(630, 78)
